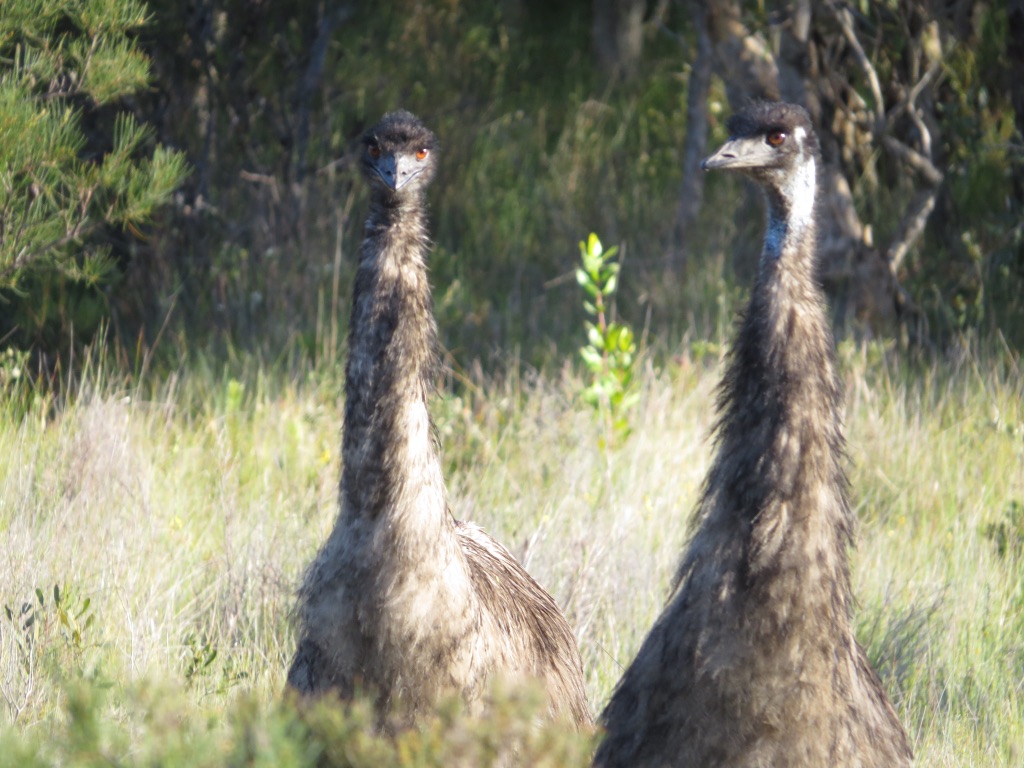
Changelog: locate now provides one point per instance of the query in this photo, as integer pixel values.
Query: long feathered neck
(780, 435)
(389, 456)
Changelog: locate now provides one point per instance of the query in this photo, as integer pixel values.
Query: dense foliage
(541, 145)
(77, 173)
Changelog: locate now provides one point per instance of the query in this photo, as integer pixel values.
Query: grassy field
(174, 519)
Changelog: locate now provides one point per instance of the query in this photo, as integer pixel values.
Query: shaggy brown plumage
(753, 662)
(403, 601)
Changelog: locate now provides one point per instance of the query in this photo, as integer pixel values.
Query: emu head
(771, 142)
(399, 156)
(774, 144)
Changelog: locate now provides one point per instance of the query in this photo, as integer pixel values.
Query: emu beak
(397, 170)
(406, 168)
(385, 168)
(738, 153)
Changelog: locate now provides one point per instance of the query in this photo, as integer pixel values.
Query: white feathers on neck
(799, 193)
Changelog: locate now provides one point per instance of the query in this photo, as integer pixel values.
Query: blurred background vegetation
(557, 119)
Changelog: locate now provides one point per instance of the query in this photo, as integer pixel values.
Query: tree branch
(845, 19)
(914, 159)
(910, 229)
(23, 259)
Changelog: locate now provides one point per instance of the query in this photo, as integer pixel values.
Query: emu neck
(787, 308)
(791, 226)
(390, 463)
(780, 459)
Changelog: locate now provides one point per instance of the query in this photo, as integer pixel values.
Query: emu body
(404, 602)
(753, 662)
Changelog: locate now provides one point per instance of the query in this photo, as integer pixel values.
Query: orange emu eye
(776, 138)
(373, 151)
(422, 153)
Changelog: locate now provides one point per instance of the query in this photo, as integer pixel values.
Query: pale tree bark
(618, 36)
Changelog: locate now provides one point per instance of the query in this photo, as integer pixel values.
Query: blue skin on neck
(774, 237)
(791, 213)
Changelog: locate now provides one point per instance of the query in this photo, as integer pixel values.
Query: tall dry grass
(184, 515)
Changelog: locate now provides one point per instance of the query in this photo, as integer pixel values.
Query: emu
(403, 601)
(753, 661)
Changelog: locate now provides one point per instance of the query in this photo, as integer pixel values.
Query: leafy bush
(71, 165)
(610, 351)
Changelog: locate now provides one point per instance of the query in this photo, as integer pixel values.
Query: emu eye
(373, 151)
(776, 138)
(422, 153)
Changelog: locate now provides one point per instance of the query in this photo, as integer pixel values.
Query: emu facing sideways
(753, 661)
(403, 601)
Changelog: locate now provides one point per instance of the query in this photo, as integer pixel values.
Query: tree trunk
(1015, 53)
(618, 36)
(691, 190)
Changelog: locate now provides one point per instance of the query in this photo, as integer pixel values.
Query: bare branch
(258, 178)
(845, 19)
(908, 104)
(925, 80)
(911, 228)
(914, 159)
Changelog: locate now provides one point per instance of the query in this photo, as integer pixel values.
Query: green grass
(176, 519)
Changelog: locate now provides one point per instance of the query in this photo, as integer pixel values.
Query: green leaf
(591, 357)
(630, 399)
(609, 353)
